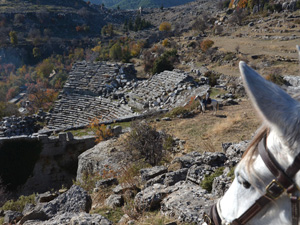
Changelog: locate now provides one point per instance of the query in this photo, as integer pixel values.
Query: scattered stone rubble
(71, 207)
(162, 90)
(184, 199)
(15, 126)
(174, 190)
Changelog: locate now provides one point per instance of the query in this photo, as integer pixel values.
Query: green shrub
(208, 179)
(212, 77)
(165, 62)
(19, 204)
(144, 142)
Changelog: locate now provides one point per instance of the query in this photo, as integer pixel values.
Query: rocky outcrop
(184, 199)
(50, 161)
(71, 207)
(105, 156)
(75, 200)
(72, 218)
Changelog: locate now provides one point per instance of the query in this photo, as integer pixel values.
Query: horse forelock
(248, 156)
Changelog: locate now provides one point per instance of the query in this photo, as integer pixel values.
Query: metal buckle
(207, 219)
(274, 189)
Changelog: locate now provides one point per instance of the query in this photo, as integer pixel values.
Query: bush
(200, 24)
(13, 37)
(19, 204)
(144, 142)
(165, 62)
(101, 131)
(166, 42)
(208, 179)
(212, 77)
(276, 79)
(165, 26)
(115, 52)
(206, 44)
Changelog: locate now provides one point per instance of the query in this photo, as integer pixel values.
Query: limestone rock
(114, 201)
(75, 200)
(106, 183)
(220, 185)
(150, 198)
(12, 216)
(101, 157)
(72, 219)
(149, 173)
(187, 203)
(170, 178)
(45, 197)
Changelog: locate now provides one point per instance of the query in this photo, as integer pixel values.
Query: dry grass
(226, 125)
(207, 132)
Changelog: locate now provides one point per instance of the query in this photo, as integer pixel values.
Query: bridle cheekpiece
(283, 183)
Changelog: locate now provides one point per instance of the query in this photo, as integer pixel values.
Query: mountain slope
(134, 4)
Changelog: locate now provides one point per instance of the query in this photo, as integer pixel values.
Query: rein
(282, 183)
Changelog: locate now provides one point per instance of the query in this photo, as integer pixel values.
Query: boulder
(75, 200)
(106, 183)
(114, 201)
(151, 197)
(72, 219)
(149, 173)
(105, 155)
(45, 197)
(170, 178)
(187, 203)
(220, 185)
(197, 173)
(11, 217)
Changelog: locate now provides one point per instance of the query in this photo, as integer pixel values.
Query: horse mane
(251, 151)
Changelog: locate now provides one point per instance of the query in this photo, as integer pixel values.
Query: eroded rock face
(72, 219)
(103, 157)
(187, 203)
(75, 200)
(148, 173)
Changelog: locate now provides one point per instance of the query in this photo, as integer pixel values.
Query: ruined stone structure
(90, 93)
(161, 90)
(111, 92)
(43, 163)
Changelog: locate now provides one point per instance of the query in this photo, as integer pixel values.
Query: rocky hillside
(135, 4)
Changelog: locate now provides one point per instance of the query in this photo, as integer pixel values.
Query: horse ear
(276, 107)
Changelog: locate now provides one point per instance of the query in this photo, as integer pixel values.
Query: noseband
(282, 183)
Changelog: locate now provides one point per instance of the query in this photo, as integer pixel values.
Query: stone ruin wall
(57, 162)
(112, 92)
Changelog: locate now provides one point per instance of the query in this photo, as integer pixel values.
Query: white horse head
(281, 122)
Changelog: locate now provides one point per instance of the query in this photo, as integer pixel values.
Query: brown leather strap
(273, 190)
(252, 211)
(273, 165)
(214, 215)
(295, 209)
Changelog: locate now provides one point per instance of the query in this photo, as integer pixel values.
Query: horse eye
(243, 182)
(246, 184)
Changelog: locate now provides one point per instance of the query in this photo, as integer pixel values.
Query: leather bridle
(283, 183)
